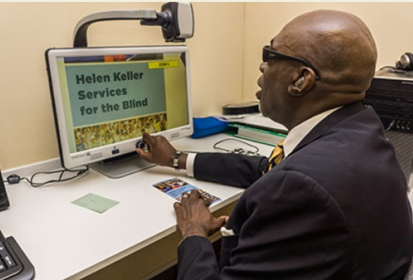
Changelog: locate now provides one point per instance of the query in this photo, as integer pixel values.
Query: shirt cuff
(227, 232)
(190, 164)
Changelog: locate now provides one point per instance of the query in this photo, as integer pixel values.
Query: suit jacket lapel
(329, 122)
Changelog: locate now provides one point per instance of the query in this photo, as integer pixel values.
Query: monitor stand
(121, 166)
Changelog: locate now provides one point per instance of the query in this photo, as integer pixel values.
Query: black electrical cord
(14, 178)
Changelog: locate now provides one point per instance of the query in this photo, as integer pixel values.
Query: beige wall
(225, 54)
(28, 29)
(390, 23)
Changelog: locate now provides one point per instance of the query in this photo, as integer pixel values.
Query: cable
(14, 178)
(393, 69)
(388, 67)
(237, 150)
(390, 125)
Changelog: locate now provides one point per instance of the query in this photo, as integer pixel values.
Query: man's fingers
(184, 196)
(195, 194)
(143, 154)
(177, 206)
(207, 201)
(146, 137)
(223, 219)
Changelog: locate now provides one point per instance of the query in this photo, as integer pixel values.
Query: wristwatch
(176, 159)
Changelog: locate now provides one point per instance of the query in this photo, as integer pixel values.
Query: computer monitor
(105, 98)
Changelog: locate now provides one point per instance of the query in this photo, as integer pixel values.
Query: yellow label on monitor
(163, 64)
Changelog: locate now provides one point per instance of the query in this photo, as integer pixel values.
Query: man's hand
(193, 216)
(160, 151)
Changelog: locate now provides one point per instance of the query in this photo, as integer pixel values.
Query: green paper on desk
(95, 202)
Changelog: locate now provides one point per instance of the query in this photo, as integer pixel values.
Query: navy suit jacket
(335, 208)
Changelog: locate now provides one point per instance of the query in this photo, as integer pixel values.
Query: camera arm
(176, 20)
(80, 33)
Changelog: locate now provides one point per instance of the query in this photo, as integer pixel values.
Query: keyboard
(14, 264)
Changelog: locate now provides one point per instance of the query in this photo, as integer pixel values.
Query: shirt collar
(298, 133)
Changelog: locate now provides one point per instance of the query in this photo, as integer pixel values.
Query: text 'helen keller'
(107, 92)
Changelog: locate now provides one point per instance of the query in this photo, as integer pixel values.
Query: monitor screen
(104, 99)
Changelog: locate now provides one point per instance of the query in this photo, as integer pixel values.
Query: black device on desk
(14, 263)
(4, 200)
(391, 95)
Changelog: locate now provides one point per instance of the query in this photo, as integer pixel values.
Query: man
(336, 206)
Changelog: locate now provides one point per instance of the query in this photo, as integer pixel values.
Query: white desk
(65, 241)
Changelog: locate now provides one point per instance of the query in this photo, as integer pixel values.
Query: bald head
(337, 44)
(335, 60)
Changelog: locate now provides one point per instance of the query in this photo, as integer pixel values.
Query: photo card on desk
(176, 187)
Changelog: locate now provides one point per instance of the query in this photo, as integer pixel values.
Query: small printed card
(176, 187)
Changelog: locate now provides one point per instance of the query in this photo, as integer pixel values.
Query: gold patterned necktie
(277, 155)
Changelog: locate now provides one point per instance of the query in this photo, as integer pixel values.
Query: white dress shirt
(293, 138)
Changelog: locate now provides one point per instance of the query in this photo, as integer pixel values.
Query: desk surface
(65, 241)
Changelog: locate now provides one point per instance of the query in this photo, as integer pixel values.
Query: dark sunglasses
(269, 54)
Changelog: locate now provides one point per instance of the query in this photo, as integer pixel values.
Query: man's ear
(303, 83)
